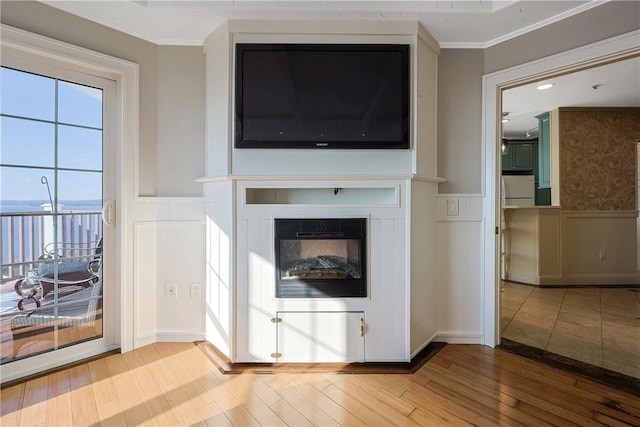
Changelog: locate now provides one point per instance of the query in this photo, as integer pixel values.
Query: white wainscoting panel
(145, 286)
(180, 261)
(600, 247)
(168, 247)
(459, 263)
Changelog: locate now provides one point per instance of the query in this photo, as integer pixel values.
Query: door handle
(108, 213)
(361, 327)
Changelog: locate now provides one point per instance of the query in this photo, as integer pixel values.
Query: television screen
(322, 96)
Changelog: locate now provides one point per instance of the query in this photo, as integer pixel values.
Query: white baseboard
(180, 336)
(460, 337)
(529, 279)
(145, 340)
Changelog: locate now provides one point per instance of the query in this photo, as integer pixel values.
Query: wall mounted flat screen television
(336, 96)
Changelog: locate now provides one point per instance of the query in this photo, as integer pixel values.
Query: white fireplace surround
(395, 190)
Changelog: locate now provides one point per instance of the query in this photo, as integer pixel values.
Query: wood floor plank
(432, 409)
(524, 405)
(289, 414)
(425, 419)
(307, 405)
(83, 402)
(132, 400)
(34, 410)
(364, 383)
(367, 413)
(59, 399)
(155, 402)
(105, 393)
(499, 406)
(329, 406)
(12, 403)
(580, 410)
(373, 403)
(177, 384)
(546, 399)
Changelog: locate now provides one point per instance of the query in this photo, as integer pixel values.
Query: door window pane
(22, 189)
(80, 188)
(79, 105)
(79, 148)
(27, 142)
(27, 95)
(50, 153)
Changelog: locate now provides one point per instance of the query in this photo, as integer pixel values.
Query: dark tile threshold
(227, 367)
(596, 373)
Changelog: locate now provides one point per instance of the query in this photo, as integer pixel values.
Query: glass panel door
(52, 164)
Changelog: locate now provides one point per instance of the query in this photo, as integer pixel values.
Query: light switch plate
(453, 207)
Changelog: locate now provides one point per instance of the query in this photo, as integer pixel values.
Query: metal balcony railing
(25, 235)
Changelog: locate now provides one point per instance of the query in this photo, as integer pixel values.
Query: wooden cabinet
(519, 156)
(544, 151)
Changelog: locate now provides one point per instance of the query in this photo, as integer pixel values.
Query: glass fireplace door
(319, 258)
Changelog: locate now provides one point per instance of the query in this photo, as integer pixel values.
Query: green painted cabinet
(544, 151)
(519, 156)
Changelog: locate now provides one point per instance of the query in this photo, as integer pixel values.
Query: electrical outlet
(171, 290)
(196, 290)
(602, 255)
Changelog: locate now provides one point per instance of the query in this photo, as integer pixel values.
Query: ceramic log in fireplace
(321, 258)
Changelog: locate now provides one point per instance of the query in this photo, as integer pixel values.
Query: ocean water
(8, 207)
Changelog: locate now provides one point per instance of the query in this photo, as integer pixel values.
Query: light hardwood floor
(178, 385)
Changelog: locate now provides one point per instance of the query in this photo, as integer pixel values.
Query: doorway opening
(558, 282)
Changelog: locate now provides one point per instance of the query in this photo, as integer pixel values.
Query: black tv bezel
(403, 144)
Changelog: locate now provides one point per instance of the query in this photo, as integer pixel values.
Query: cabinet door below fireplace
(321, 336)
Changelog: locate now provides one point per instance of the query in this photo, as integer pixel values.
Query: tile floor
(599, 326)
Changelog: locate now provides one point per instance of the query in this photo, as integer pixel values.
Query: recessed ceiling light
(546, 86)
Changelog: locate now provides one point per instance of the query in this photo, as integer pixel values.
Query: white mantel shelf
(212, 179)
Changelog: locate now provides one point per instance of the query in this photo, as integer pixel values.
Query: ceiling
(454, 23)
(612, 85)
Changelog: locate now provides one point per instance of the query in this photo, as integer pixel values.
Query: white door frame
(609, 50)
(125, 74)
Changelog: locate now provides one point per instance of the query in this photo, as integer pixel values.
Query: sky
(29, 104)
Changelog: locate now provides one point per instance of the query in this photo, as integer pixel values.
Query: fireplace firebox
(321, 258)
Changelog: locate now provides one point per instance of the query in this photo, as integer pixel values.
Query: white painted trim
(599, 279)
(600, 214)
(423, 346)
(608, 50)
(529, 279)
(224, 178)
(143, 340)
(556, 18)
(180, 336)
(460, 337)
(126, 76)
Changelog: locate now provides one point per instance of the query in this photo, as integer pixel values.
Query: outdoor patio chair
(78, 265)
(78, 317)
